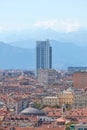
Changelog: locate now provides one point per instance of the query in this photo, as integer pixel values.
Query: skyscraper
(43, 55)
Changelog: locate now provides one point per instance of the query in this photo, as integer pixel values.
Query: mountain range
(64, 54)
(16, 58)
(27, 38)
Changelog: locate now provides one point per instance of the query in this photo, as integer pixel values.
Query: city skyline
(43, 65)
(22, 23)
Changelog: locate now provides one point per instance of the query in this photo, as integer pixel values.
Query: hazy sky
(60, 15)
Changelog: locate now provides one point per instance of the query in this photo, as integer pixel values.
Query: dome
(32, 111)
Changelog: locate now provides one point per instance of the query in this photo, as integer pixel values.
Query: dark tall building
(43, 55)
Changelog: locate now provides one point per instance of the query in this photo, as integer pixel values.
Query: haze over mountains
(21, 38)
(17, 50)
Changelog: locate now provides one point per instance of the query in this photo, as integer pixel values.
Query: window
(85, 128)
(80, 128)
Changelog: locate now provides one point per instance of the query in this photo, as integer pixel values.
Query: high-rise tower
(43, 55)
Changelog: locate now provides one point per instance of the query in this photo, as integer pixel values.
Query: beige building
(51, 101)
(65, 97)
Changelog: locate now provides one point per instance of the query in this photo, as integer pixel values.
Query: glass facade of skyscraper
(43, 55)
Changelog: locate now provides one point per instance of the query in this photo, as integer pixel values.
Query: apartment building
(80, 79)
(66, 97)
(47, 76)
(51, 101)
(80, 99)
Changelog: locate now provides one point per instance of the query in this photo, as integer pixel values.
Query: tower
(63, 110)
(43, 55)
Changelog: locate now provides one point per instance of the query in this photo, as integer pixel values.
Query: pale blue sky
(65, 15)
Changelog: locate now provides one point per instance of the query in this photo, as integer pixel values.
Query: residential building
(80, 99)
(78, 126)
(47, 76)
(65, 97)
(80, 79)
(51, 101)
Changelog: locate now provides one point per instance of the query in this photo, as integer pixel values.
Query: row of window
(82, 128)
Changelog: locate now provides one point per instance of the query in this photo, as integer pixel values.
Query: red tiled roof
(42, 128)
